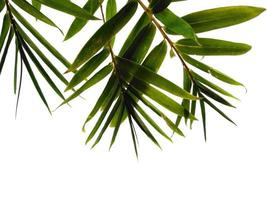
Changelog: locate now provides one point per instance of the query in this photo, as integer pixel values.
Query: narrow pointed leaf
(176, 24)
(212, 47)
(100, 75)
(91, 6)
(68, 7)
(207, 20)
(203, 114)
(214, 72)
(88, 68)
(4, 31)
(104, 34)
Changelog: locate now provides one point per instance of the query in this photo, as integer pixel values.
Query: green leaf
(212, 85)
(4, 31)
(214, 72)
(134, 136)
(2, 5)
(91, 6)
(35, 82)
(111, 115)
(193, 105)
(213, 95)
(41, 70)
(131, 69)
(88, 68)
(155, 58)
(36, 4)
(121, 110)
(27, 7)
(141, 23)
(216, 18)
(39, 52)
(212, 47)
(111, 9)
(40, 37)
(203, 114)
(176, 24)
(148, 118)
(159, 5)
(68, 7)
(217, 109)
(16, 68)
(159, 97)
(101, 117)
(139, 96)
(141, 124)
(104, 34)
(100, 75)
(141, 44)
(4, 54)
(110, 90)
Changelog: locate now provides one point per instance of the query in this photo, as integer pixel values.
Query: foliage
(134, 86)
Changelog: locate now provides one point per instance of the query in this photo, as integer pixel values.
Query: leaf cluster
(134, 88)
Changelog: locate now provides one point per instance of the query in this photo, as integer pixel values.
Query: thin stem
(166, 37)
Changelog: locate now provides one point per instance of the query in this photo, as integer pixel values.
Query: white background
(44, 157)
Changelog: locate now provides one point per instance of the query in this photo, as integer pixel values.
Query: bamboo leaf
(121, 110)
(159, 5)
(131, 70)
(203, 113)
(4, 31)
(35, 82)
(176, 24)
(141, 44)
(100, 75)
(104, 34)
(141, 23)
(88, 68)
(3, 58)
(211, 19)
(40, 37)
(213, 86)
(68, 7)
(91, 6)
(212, 47)
(27, 7)
(214, 72)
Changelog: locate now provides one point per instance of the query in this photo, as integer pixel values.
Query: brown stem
(166, 37)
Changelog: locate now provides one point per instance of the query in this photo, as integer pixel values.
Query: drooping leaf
(40, 37)
(91, 6)
(203, 114)
(68, 7)
(141, 23)
(100, 75)
(4, 31)
(27, 7)
(133, 70)
(212, 47)
(159, 5)
(214, 72)
(4, 54)
(88, 68)
(104, 34)
(176, 24)
(222, 17)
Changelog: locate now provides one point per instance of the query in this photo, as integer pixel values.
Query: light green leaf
(212, 47)
(216, 18)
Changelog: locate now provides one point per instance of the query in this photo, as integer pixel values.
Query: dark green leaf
(104, 34)
(4, 31)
